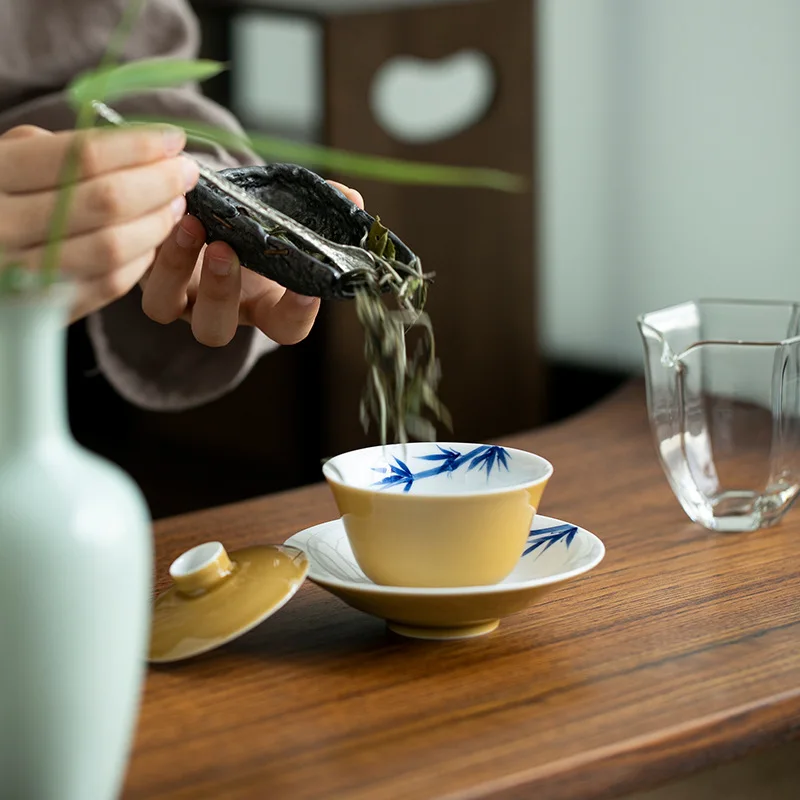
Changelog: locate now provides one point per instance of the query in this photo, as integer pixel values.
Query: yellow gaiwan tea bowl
(436, 514)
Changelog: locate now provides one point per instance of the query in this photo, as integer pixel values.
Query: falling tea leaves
(399, 390)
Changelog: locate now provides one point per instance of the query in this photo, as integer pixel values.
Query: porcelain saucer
(555, 552)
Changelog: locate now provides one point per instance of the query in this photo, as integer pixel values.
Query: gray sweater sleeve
(43, 45)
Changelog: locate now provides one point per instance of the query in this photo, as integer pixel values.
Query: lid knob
(200, 568)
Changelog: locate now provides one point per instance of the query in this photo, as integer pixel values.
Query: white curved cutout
(420, 101)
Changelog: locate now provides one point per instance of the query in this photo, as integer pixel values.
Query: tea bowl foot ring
(443, 634)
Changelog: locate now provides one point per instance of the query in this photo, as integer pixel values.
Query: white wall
(670, 154)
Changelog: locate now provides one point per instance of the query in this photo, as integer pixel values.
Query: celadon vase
(75, 577)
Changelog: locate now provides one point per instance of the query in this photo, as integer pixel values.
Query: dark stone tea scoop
(288, 224)
(280, 254)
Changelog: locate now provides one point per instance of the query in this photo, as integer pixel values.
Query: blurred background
(661, 139)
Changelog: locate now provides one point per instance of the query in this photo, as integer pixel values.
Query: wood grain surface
(680, 651)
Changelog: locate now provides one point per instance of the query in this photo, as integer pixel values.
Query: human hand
(205, 286)
(127, 199)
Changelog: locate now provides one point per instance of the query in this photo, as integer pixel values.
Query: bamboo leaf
(108, 83)
(390, 170)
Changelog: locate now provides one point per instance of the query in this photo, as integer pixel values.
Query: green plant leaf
(112, 82)
(390, 170)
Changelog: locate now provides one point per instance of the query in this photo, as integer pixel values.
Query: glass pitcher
(723, 398)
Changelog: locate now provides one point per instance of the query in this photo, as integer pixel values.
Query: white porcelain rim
(548, 469)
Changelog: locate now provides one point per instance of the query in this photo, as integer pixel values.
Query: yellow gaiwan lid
(216, 598)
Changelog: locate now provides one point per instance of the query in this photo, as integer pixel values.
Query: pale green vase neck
(33, 408)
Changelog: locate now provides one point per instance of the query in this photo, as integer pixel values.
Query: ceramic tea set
(441, 540)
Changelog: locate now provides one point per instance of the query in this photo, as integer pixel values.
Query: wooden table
(681, 650)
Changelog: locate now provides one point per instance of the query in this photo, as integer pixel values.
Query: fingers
(285, 317)
(287, 320)
(214, 311)
(214, 307)
(98, 292)
(107, 199)
(24, 131)
(351, 194)
(91, 255)
(165, 297)
(215, 314)
(34, 166)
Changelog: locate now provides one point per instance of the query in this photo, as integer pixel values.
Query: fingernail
(178, 206)
(185, 239)
(353, 195)
(221, 266)
(190, 173)
(357, 197)
(174, 139)
(303, 300)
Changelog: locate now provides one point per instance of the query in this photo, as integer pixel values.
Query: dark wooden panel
(480, 243)
(216, 30)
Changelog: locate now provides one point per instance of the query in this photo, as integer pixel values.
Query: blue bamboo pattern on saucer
(547, 537)
(485, 457)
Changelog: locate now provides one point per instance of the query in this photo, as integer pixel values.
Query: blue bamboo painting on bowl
(541, 540)
(448, 461)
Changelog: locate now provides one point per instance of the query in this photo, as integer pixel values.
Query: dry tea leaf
(398, 391)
